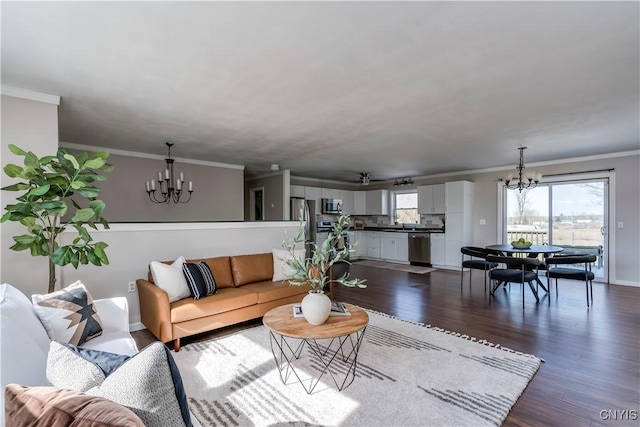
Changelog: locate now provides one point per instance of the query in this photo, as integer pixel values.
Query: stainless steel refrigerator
(306, 208)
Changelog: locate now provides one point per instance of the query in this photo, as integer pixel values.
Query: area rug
(407, 375)
(394, 266)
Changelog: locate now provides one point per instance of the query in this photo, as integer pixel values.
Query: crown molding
(537, 164)
(147, 156)
(486, 170)
(31, 95)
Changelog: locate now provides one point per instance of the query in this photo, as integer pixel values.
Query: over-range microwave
(331, 206)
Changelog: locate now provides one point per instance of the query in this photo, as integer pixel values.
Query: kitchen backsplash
(430, 221)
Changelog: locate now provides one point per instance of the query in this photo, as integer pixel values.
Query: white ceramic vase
(316, 307)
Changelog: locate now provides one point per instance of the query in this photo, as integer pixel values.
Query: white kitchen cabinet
(360, 241)
(394, 246)
(437, 249)
(458, 234)
(387, 247)
(431, 199)
(373, 244)
(458, 221)
(347, 202)
(330, 193)
(314, 193)
(459, 196)
(378, 202)
(297, 191)
(402, 248)
(359, 202)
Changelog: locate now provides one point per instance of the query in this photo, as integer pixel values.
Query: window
(569, 213)
(406, 208)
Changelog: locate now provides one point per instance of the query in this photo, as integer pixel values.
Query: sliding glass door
(570, 214)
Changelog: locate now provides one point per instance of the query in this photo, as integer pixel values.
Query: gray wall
(625, 199)
(32, 126)
(273, 196)
(133, 246)
(217, 195)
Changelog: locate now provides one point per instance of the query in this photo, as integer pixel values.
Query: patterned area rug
(394, 266)
(407, 375)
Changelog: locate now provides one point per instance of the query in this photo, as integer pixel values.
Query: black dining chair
(584, 274)
(516, 270)
(476, 259)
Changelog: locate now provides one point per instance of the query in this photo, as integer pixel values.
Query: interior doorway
(571, 214)
(256, 204)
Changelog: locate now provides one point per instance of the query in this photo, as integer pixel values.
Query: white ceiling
(331, 89)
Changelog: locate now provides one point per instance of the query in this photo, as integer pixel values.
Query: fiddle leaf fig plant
(50, 186)
(316, 269)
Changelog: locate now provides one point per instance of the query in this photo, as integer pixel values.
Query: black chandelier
(523, 180)
(166, 182)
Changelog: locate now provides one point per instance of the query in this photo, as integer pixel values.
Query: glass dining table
(532, 250)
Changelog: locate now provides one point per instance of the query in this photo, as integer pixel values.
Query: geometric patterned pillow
(68, 315)
(149, 384)
(199, 278)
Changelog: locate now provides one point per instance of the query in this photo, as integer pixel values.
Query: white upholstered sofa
(25, 343)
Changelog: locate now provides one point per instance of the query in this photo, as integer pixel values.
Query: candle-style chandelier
(171, 187)
(523, 180)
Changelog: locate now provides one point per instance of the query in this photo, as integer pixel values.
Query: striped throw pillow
(200, 279)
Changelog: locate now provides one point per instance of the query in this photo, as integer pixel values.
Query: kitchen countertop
(405, 230)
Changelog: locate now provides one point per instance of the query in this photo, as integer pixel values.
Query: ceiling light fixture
(523, 180)
(402, 182)
(275, 167)
(365, 178)
(168, 192)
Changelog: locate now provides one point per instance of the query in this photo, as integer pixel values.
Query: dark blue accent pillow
(200, 279)
(107, 362)
(79, 369)
(181, 395)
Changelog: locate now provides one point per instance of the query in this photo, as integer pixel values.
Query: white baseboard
(625, 283)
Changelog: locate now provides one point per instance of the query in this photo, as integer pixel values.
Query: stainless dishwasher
(420, 249)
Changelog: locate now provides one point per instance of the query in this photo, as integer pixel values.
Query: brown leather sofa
(245, 291)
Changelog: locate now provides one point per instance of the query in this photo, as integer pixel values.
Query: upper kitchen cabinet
(377, 202)
(458, 196)
(347, 198)
(431, 199)
(330, 193)
(314, 193)
(359, 202)
(297, 191)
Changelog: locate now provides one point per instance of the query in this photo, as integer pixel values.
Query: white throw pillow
(170, 279)
(281, 271)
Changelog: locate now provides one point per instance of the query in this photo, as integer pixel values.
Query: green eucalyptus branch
(315, 270)
(48, 183)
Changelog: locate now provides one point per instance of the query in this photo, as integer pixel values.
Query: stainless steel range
(323, 229)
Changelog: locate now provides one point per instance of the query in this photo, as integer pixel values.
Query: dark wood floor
(592, 356)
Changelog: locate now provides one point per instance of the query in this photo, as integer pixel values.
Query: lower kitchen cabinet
(437, 249)
(373, 244)
(452, 255)
(360, 237)
(394, 247)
